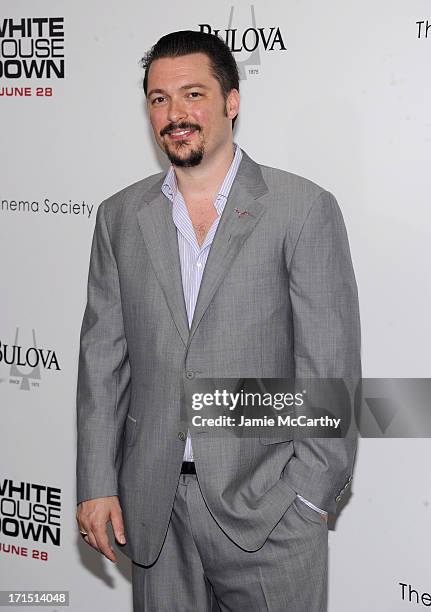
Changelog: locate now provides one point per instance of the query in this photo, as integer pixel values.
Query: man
(222, 268)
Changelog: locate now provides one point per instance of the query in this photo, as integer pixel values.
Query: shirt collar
(170, 187)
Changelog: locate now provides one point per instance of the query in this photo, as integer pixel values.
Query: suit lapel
(160, 236)
(233, 229)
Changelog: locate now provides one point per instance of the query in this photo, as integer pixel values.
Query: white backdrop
(346, 104)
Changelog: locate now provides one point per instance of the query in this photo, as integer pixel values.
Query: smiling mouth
(180, 134)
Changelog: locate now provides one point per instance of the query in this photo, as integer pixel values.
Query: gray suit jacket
(278, 299)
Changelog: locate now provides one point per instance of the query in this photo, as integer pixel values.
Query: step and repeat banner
(335, 91)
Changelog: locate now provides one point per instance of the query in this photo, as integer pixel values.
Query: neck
(207, 177)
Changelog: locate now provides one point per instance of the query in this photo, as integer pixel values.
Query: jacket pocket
(130, 431)
(308, 513)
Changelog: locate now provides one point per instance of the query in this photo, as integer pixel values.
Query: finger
(81, 528)
(118, 526)
(91, 539)
(80, 523)
(103, 544)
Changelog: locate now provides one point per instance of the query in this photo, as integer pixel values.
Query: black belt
(188, 467)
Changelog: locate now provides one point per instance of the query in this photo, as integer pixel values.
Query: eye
(157, 100)
(194, 94)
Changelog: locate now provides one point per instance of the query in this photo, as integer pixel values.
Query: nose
(176, 110)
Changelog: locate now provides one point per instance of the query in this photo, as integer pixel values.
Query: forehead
(169, 72)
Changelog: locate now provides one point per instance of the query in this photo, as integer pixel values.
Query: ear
(232, 104)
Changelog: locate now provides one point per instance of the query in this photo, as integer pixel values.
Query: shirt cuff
(312, 505)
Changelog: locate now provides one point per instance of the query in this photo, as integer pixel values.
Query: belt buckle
(188, 467)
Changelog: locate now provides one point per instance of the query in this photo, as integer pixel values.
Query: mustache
(179, 126)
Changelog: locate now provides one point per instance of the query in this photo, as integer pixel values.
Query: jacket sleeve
(103, 373)
(326, 329)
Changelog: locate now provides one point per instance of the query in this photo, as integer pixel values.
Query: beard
(193, 156)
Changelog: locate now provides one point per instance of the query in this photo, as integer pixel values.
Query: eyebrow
(188, 86)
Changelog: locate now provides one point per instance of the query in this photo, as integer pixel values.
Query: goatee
(194, 157)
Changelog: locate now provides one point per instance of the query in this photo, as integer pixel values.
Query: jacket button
(337, 499)
(182, 436)
(190, 374)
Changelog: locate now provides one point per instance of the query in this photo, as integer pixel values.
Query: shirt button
(190, 374)
(199, 264)
(182, 436)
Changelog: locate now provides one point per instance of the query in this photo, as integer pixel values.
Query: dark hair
(185, 42)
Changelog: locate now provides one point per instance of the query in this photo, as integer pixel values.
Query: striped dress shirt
(192, 256)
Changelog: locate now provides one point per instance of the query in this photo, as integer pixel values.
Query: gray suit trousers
(200, 569)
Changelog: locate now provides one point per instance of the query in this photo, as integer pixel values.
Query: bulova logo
(26, 363)
(250, 39)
